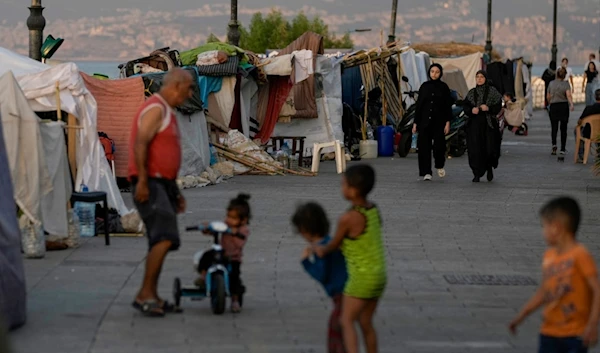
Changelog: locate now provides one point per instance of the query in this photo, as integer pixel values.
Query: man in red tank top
(154, 161)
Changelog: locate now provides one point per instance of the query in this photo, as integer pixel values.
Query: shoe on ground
(553, 151)
(490, 174)
(476, 179)
(562, 153)
(427, 177)
(441, 172)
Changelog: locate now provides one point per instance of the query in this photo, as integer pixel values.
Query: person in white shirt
(592, 58)
(569, 77)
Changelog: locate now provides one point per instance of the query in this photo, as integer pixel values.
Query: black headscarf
(484, 94)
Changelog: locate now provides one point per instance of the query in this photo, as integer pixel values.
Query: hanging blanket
(118, 102)
(304, 92)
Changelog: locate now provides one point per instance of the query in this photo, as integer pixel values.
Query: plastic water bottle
(413, 145)
(286, 149)
(213, 155)
(86, 212)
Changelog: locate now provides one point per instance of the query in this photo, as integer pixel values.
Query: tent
(469, 64)
(328, 127)
(39, 87)
(37, 160)
(12, 274)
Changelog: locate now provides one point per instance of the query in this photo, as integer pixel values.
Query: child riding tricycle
(217, 270)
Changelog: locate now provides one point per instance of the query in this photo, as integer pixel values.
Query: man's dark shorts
(159, 213)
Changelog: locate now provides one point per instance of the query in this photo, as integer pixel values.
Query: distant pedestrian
(570, 290)
(548, 76)
(359, 236)
(154, 161)
(591, 81)
(310, 220)
(569, 74)
(561, 102)
(586, 130)
(482, 105)
(592, 58)
(432, 121)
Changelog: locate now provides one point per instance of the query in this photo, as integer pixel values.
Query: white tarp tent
(12, 275)
(328, 126)
(37, 160)
(469, 64)
(40, 90)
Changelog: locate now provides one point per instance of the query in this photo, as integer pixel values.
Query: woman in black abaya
(482, 105)
(432, 122)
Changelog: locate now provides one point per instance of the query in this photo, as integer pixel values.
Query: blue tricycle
(217, 275)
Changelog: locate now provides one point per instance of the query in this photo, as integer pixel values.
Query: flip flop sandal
(149, 308)
(171, 308)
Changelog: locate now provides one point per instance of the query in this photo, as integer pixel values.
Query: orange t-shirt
(568, 298)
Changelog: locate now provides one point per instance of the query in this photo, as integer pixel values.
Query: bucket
(368, 149)
(385, 137)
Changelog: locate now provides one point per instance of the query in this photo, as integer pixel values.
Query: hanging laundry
(303, 65)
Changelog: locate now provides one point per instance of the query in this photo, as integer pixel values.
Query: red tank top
(164, 151)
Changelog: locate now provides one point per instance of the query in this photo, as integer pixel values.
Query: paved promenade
(437, 235)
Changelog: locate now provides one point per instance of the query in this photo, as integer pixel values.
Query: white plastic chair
(340, 157)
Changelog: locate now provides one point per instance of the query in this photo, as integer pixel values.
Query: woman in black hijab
(432, 121)
(482, 105)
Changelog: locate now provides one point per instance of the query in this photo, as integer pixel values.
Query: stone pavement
(79, 300)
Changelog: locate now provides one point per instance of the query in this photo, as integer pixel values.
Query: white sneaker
(427, 177)
(441, 172)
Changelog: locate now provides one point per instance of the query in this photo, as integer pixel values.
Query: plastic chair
(93, 197)
(340, 156)
(594, 121)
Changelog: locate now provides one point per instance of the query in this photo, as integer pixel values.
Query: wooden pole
(72, 144)
(57, 96)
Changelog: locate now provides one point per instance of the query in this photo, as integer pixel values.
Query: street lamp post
(36, 23)
(392, 35)
(233, 33)
(554, 48)
(488, 41)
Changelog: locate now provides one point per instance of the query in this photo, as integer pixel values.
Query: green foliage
(274, 31)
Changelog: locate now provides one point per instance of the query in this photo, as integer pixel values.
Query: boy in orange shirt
(570, 292)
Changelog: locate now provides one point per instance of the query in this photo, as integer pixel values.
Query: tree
(275, 32)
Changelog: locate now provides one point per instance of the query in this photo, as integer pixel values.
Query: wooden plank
(72, 144)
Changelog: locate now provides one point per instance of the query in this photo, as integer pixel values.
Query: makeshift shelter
(452, 49)
(13, 298)
(307, 47)
(37, 159)
(39, 87)
(118, 103)
(455, 79)
(328, 97)
(468, 64)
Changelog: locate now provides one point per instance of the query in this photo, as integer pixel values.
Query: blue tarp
(12, 274)
(351, 82)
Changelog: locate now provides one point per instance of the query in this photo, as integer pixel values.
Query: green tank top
(365, 258)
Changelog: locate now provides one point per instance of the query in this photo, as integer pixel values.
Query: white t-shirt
(569, 74)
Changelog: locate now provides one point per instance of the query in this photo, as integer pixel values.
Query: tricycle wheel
(217, 293)
(177, 291)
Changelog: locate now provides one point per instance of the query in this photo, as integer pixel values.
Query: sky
(16, 10)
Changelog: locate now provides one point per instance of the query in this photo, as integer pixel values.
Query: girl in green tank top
(359, 237)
